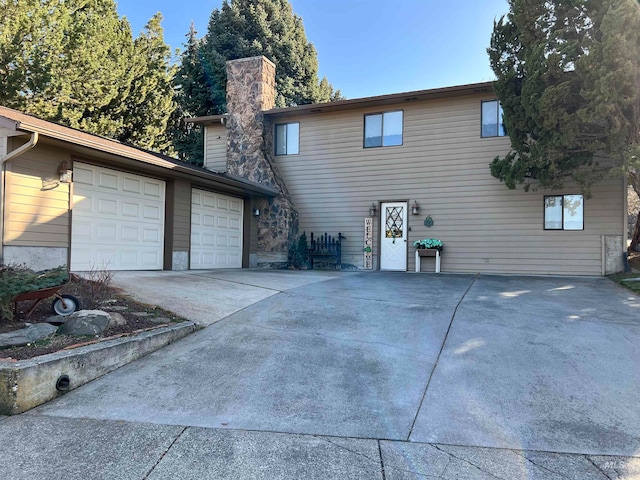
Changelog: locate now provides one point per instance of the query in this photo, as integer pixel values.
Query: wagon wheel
(65, 305)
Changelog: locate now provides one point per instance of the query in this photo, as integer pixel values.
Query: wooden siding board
(182, 216)
(444, 165)
(215, 156)
(37, 211)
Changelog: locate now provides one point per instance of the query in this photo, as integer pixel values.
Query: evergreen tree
(193, 85)
(568, 79)
(246, 28)
(149, 101)
(75, 62)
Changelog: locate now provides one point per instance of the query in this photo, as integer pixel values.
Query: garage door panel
(236, 206)
(153, 190)
(82, 175)
(112, 224)
(216, 230)
(108, 180)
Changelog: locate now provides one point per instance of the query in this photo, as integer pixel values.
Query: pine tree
(149, 100)
(192, 87)
(75, 62)
(246, 28)
(568, 79)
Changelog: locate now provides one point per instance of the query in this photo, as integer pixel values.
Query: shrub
(93, 287)
(17, 279)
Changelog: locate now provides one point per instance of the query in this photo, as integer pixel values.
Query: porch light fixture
(65, 172)
(415, 209)
(372, 210)
(256, 212)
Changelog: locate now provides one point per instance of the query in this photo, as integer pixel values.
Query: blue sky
(367, 47)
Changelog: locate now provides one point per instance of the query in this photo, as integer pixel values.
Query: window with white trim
(492, 125)
(287, 140)
(383, 129)
(564, 212)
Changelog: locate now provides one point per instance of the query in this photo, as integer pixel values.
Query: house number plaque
(368, 243)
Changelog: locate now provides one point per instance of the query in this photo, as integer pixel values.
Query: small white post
(437, 261)
(417, 262)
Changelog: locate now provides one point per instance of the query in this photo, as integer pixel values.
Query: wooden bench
(326, 249)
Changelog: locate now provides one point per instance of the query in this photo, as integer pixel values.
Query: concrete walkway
(358, 375)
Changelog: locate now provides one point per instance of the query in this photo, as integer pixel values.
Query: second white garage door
(216, 230)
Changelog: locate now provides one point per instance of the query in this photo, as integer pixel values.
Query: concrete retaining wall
(28, 383)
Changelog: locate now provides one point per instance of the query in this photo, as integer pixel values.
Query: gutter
(5, 158)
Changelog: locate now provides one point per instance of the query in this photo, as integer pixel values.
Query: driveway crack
(325, 439)
(542, 467)
(598, 469)
(164, 453)
(435, 365)
(465, 461)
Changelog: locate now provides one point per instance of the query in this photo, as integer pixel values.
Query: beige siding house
(438, 157)
(71, 198)
(383, 171)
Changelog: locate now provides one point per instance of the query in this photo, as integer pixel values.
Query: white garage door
(216, 230)
(117, 221)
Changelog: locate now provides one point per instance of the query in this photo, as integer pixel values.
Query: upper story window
(287, 139)
(564, 212)
(492, 125)
(383, 129)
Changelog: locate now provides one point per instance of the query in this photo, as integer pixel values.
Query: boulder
(30, 334)
(85, 322)
(117, 320)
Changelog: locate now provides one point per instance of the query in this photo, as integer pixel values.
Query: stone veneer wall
(250, 91)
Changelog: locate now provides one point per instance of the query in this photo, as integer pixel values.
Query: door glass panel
(393, 222)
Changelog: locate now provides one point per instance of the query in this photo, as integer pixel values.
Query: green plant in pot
(428, 243)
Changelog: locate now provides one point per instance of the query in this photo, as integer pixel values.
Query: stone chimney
(251, 89)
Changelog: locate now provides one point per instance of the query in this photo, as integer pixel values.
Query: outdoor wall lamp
(256, 212)
(415, 209)
(372, 210)
(65, 172)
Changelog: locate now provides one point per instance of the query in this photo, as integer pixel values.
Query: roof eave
(381, 100)
(207, 120)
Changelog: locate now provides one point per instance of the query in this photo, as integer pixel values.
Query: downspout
(3, 159)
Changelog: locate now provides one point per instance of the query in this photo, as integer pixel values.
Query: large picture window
(564, 212)
(383, 129)
(492, 125)
(287, 139)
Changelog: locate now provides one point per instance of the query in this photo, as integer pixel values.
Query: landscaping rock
(117, 320)
(160, 320)
(30, 334)
(56, 320)
(85, 322)
(140, 314)
(117, 308)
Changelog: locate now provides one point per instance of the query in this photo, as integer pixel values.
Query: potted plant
(428, 244)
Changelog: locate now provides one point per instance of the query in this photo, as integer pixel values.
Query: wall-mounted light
(415, 209)
(256, 212)
(65, 172)
(372, 210)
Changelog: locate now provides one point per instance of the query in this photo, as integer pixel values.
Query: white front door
(393, 238)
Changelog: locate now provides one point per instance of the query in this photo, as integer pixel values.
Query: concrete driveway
(361, 375)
